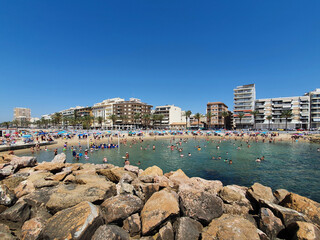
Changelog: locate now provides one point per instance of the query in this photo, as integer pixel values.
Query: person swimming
(258, 160)
(189, 154)
(230, 161)
(105, 159)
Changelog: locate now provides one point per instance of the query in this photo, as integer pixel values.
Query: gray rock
(5, 233)
(6, 171)
(19, 212)
(132, 224)
(187, 228)
(22, 162)
(120, 207)
(7, 197)
(60, 158)
(144, 190)
(110, 232)
(269, 224)
(199, 205)
(165, 233)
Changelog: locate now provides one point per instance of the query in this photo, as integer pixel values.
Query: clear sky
(59, 54)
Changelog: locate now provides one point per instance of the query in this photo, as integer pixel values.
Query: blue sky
(59, 54)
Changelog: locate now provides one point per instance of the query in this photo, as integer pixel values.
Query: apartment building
(274, 107)
(70, 112)
(244, 103)
(22, 114)
(83, 112)
(127, 111)
(171, 114)
(314, 108)
(217, 120)
(104, 109)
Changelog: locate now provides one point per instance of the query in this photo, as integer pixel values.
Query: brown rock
(7, 197)
(132, 169)
(230, 227)
(210, 186)
(144, 190)
(160, 206)
(115, 174)
(280, 194)
(259, 192)
(50, 166)
(187, 228)
(78, 222)
(32, 228)
(165, 233)
(111, 232)
(269, 224)
(306, 231)
(19, 212)
(236, 209)
(69, 195)
(13, 181)
(6, 171)
(177, 177)
(199, 205)
(60, 158)
(120, 207)
(21, 162)
(287, 215)
(5, 233)
(304, 205)
(163, 181)
(152, 171)
(59, 176)
(132, 225)
(40, 183)
(234, 194)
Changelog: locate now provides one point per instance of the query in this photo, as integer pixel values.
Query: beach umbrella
(27, 136)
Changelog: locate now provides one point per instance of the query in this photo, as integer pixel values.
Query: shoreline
(75, 141)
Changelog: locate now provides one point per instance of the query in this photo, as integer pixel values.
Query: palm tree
(160, 118)
(136, 118)
(153, 119)
(254, 114)
(240, 116)
(209, 116)
(269, 118)
(225, 114)
(286, 114)
(100, 120)
(57, 117)
(6, 124)
(198, 117)
(187, 115)
(146, 118)
(16, 123)
(113, 118)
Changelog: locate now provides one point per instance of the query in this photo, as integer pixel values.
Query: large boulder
(199, 205)
(144, 190)
(6, 171)
(22, 162)
(234, 194)
(304, 205)
(132, 225)
(230, 227)
(19, 212)
(165, 233)
(177, 177)
(39, 197)
(287, 215)
(305, 231)
(111, 232)
(152, 171)
(269, 224)
(280, 194)
(7, 197)
(259, 192)
(70, 195)
(50, 167)
(60, 158)
(187, 228)
(210, 186)
(32, 228)
(120, 207)
(77, 222)
(5, 233)
(115, 174)
(160, 206)
(13, 181)
(132, 169)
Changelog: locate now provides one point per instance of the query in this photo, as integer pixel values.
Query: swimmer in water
(189, 154)
(213, 158)
(258, 160)
(105, 159)
(262, 158)
(230, 161)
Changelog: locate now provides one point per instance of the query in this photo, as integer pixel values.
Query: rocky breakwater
(58, 200)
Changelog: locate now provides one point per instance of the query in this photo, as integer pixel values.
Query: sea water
(294, 166)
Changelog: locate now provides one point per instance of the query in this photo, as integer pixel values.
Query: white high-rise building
(314, 108)
(244, 103)
(104, 109)
(171, 115)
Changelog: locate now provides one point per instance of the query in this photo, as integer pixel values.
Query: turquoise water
(293, 166)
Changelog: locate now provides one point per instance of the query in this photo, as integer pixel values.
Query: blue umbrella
(61, 132)
(27, 136)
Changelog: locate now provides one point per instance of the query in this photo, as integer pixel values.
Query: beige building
(314, 108)
(22, 114)
(104, 109)
(275, 107)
